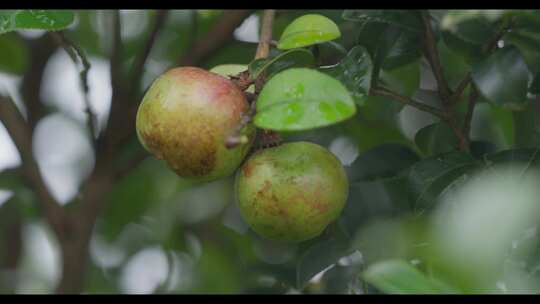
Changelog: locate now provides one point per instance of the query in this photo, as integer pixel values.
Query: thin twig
(21, 135)
(76, 54)
(432, 56)
(384, 92)
(140, 60)
(263, 50)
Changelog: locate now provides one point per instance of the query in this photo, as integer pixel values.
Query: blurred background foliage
(161, 234)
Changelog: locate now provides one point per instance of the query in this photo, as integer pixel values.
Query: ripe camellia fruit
(291, 192)
(185, 118)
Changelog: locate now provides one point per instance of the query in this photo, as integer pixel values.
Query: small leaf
(503, 78)
(280, 62)
(399, 277)
(50, 20)
(308, 30)
(435, 139)
(403, 18)
(227, 70)
(382, 161)
(301, 99)
(354, 71)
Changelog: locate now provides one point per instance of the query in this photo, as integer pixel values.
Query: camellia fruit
(185, 118)
(291, 192)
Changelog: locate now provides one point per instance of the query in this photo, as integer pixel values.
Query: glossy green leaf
(50, 20)
(469, 51)
(404, 79)
(473, 26)
(301, 99)
(400, 277)
(308, 30)
(502, 78)
(436, 138)
(428, 178)
(228, 70)
(535, 85)
(404, 18)
(383, 161)
(389, 45)
(280, 62)
(527, 156)
(404, 50)
(355, 72)
(528, 43)
(321, 255)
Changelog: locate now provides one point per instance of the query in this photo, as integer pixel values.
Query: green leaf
(503, 78)
(13, 55)
(472, 26)
(535, 85)
(528, 156)
(435, 139)
(301, 99)
(469, 51)
(404, 18)
(354, 71)
(50, 20)
(308, 30)
(399, 277)
(428, 178)
(404, 80)
(528, 43)
(404, 50)
(389, 45)
(280, 62)
(227, 70)
(383, 161)
(321, 255)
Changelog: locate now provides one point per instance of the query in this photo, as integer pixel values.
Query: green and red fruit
(185, 118)
(291, 192)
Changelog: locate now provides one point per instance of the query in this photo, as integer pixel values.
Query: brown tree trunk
(74, 263)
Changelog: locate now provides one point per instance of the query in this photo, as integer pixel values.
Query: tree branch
(76, 54)
(383, 92)
(266, 34)
(41, 50)
(21, 135)
(106, 143)
(432, 56)
(140, 60)
(216, 38)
